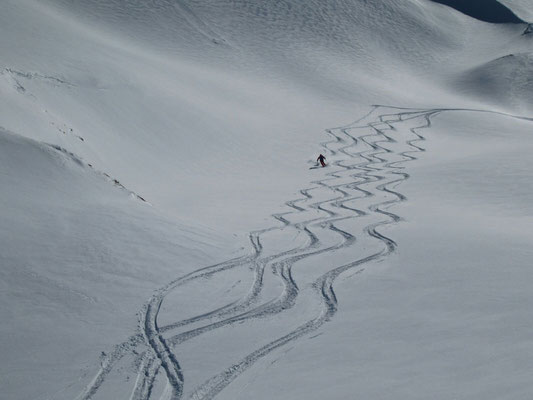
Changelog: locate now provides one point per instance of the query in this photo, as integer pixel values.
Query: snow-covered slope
(79, 255)
(505, 79)
(142, 142)
(521, 8)
(136, 84)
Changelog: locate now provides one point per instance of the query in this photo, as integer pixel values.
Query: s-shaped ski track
(370, 157)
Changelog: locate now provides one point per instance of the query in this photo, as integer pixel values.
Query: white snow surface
(166, 233)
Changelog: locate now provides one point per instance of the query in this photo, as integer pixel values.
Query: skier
(322, 160)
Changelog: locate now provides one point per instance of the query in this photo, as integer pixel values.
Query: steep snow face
(508, 78)
(142, 140)
(522, 8)
(169, 94)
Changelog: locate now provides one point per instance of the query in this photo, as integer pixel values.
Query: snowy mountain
(166, 232)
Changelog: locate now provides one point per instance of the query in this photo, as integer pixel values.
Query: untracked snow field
(166, 232)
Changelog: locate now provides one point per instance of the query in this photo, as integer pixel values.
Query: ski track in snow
(198, 23)
(375, 174)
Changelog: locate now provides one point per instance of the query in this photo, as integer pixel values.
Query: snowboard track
(377, 172)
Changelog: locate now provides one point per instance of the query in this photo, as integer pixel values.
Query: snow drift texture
(142, 141)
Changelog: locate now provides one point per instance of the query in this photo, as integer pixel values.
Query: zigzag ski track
(369, 158)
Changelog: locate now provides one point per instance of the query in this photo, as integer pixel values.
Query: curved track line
(325, 285)
(327, 290)
(367, 179)
(152, 332)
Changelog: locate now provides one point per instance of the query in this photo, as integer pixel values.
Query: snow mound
(506, 81)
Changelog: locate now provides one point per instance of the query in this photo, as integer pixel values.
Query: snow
(520, 8)
(446, 316)
(165, 235)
